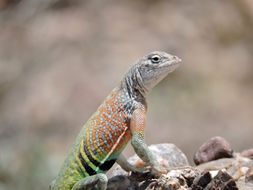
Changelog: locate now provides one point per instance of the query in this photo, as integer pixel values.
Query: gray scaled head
(151, 69)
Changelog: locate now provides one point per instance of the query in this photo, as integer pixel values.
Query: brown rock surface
(213, 149)
(247, 153)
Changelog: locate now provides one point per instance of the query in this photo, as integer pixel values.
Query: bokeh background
(60, 58)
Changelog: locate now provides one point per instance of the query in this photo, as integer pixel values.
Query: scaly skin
(119, 119)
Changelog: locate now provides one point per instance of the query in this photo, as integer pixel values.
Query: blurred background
(60, 58)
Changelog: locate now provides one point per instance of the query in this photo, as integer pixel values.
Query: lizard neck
(132, 84)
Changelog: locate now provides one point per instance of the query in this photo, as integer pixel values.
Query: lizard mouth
(172, 64)
(175, 61)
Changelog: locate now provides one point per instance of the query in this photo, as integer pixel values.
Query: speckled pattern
(109, 131)
(102, 139)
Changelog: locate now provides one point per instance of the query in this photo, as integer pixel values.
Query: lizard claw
(158, 171)
(140, 170)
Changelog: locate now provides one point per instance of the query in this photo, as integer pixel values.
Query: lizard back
(107, 132)
(100, 141)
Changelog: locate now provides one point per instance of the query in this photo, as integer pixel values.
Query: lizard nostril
(176, 58)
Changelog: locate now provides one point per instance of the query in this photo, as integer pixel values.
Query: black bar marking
(107, 165)
(88, 169)
(89, 156)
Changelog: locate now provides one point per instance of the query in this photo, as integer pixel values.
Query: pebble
(213, 149)
(247, 153)
(249, 176)
(222, 181)
(202, 180)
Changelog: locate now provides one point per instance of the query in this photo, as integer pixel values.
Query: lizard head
(151, 69)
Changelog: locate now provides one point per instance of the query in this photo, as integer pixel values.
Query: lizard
(119, 119)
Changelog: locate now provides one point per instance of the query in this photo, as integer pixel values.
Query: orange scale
(101, 109)
(110, 142)
(98, 122)
(87, 137)
(94, 134)
(101, 143)
(114, 138)
(103, 123)
(108, 147)
(100, 134)
(110, 101)
(110, 130)
(105, 115)
(113, 109)
(114, 123)
(93, 138)
(117, 120)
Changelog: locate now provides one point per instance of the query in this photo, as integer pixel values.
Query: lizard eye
(155, 59)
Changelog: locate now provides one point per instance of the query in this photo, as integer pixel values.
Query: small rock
(168, 183)
(244, 186)
(247, 153)
(249, 176)
(237, 167)
(186, 175)
(222, 181)
(121, 183)
(177, 179)
(168, 155)
(201, 181)
(116, 171)
(213, 149)
(217, 164)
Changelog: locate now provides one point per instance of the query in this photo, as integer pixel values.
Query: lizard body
(119, 119)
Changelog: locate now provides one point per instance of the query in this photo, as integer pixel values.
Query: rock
(213, 149)
(121, 183)
(177, 179)
(165, 182)
(192, 179)
(247, 153)
(217, 164)
(201, 181)
(244, 186)
(236, 167)
(221, 174)
(239, 167)
(222, 181)
(186, 175)
(168, 155)
(249, 176)
(247, 182)
(117, 171)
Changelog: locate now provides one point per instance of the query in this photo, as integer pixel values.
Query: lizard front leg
(137, 127)
(125, 165)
